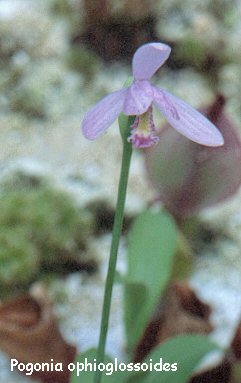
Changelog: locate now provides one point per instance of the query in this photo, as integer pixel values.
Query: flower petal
(139, 97)
(186, 120)
(101, 116)
(148, 59)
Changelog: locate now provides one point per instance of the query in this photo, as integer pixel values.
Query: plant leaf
(186, 350)
(151, 247)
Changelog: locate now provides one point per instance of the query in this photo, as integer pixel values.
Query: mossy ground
(42, 230)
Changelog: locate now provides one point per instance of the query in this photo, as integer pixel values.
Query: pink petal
(186, 120)
(148, 59)
(139, 97)
(103, 114)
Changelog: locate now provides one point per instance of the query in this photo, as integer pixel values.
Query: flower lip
(143, 131)
(148, 59)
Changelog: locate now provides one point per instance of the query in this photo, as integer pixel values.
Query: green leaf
(186, 351)
(151, 248)
(88, 376)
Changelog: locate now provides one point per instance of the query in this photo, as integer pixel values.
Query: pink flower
(138, 99)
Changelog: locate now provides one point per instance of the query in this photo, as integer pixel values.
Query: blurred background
(58, 190)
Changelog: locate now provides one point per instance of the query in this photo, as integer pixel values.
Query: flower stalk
(117, 228)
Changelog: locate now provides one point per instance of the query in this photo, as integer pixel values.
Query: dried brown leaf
(30, 334)
(181, 312)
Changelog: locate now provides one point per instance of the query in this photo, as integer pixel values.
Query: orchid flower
(138, 100)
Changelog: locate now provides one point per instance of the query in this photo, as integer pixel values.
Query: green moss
(19, 258)
(41, 229)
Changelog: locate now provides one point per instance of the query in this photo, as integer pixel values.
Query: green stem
(117, 228)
